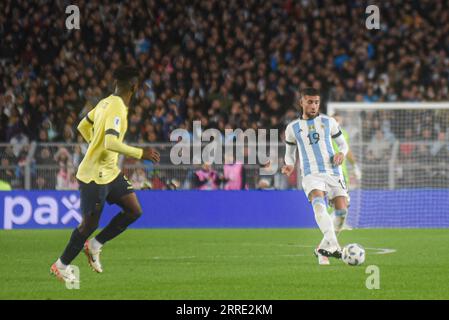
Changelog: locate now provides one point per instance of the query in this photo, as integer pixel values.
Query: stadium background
(229, 65)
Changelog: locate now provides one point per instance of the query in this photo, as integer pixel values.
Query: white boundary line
(382, 250)
(227, 256)
(377, 251)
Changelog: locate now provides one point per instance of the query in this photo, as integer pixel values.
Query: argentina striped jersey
(313, 138)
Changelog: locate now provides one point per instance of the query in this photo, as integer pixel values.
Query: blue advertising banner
(230, 209)
(164, 209)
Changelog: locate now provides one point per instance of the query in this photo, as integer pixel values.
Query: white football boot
(65, 275)
(93, 257)
(326, 249)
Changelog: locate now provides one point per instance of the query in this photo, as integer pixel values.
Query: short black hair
(309, 91)
(126, 76)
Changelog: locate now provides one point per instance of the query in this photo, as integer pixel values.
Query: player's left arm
(115, 120)
(85, 126)
(343, 147)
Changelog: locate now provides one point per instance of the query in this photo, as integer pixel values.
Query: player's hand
(338, 159)
(287, 170)
(151, 154)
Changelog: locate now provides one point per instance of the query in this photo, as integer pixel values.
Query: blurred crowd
(226, 63)
(380, 129)
(229, 64)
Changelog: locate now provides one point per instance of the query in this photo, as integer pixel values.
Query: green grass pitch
(228, 264)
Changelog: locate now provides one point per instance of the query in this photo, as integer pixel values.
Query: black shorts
(93, 195)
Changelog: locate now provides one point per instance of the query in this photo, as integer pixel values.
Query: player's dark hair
(309, 91)
(126, 76)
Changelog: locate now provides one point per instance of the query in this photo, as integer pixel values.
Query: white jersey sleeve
(290, 135)
(334, 128)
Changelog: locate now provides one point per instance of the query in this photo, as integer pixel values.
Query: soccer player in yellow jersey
(100, 178)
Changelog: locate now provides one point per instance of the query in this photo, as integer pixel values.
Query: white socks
(339, 217)
(95, 244)
(325, 223)
(324, 244)
(60, 265)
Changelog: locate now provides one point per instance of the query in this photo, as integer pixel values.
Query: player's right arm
(85, 126)
(114, 121)
(290, 151)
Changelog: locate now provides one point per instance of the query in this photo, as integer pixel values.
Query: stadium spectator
(8, 172)
(214, 59)
(40, 183)
(44, 157)
(206, 178)
(226, 63)
(9, 154)
(139, 179)
(378, 147)
(77, 155)
(234, 175)
(264, 184)
(18, 141)
(440, 148)
(157, 182)
(65, 179)
(63, 158)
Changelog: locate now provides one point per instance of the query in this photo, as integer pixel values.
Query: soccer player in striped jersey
(100, 178)
(312, 135)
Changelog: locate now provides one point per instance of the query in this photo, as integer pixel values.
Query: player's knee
(134, 214)
(87, 227)
(87, 230)
(340, 203)
(315, 194)
(137, 214)
(318, 204)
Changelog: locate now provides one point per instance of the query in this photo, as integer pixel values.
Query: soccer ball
(353, 254)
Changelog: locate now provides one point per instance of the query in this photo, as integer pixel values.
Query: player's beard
(311, 115)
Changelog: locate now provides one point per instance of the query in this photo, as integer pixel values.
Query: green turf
(228, 264)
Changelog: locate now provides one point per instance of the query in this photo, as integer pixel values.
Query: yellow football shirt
(100, 164)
